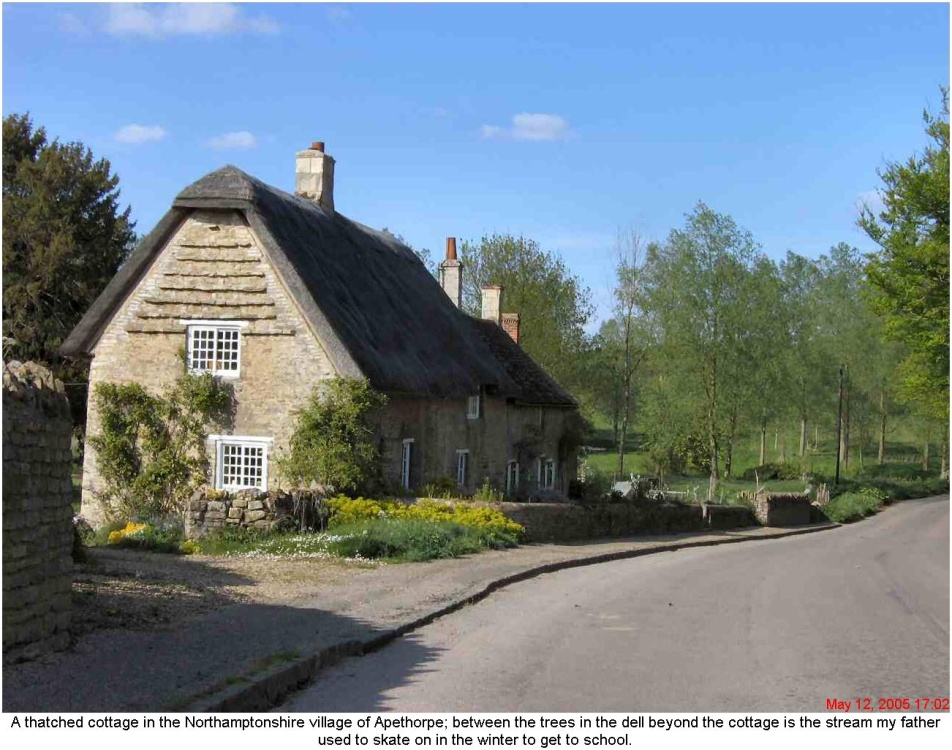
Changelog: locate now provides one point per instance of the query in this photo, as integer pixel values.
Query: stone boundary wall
(37, 513)
(783, 509)
(252, 509)
(544, 522)
(728, 516)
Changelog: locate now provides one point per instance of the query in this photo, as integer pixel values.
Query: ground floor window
(512, 477)
(546, 473)
(462, 467)
(241, 463)
(405, 463)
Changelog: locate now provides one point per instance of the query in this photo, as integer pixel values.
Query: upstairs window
(472, 407)
(215, 349)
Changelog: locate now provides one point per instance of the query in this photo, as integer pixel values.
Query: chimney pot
(318, 146)
(451, 248)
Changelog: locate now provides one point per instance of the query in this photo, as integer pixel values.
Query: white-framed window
(241, 463)
(548, 474)
(512, 477)
(214, 347)
(405, 462)
(472, 407)
(462, 467)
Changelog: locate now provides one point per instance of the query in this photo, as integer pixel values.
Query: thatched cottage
(278, 292)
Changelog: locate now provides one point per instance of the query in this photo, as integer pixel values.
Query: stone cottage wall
(37, 513)
(212, 268)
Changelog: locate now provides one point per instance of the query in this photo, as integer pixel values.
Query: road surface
(857, 612)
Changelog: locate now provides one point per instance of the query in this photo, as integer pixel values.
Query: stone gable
(212, 268)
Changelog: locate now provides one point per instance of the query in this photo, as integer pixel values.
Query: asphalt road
(858, 612)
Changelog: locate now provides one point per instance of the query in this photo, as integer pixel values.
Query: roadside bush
(852, 506)
(904, 472)
(768, 471)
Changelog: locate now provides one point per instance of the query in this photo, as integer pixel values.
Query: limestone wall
(209, 510)
(37, 513)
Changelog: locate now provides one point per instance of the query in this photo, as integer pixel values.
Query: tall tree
(631, 329)
(64, 236)
(911, 271)
(696, 284)
(553, 305)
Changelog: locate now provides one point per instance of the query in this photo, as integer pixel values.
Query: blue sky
(565, 123)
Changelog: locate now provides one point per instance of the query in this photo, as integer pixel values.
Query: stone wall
(209, 510)
(37, 513)
(779, 509)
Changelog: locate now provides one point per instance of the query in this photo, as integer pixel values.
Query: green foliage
(553, 305)
(853, 506)
(410, 540)
(156, 535)
(150, 450)
(487, 493)
(64, 237)
(333, 440)
(911, 272)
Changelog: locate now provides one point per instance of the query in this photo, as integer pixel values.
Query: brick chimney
(451, 273)
(510, 324)
(492, 304)
(314, 175)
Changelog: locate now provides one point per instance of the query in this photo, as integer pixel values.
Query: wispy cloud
(530, 127)
(872, 199)
(195, 19)
(140, 133)
(237, 140)
(337, 13)
(73, 24)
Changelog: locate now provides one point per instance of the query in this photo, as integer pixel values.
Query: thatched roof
(376, 309)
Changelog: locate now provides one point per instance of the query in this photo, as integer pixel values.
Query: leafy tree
(630, 326)
(333, 441)
(696, 291)
(911, 271)
(64, 237)
(553, 305)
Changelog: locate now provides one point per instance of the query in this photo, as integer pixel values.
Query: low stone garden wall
(251, 509)
(544, 522)
(37, 513)
(783, 509)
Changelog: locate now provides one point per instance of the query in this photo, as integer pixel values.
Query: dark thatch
(368, 298)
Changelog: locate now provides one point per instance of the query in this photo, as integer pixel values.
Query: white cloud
(531, 127)
(140, 133)
(239, 139)
(198, 19)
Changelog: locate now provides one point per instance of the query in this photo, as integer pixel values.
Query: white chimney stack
(451, 273)
(492, 304)
(314, 175)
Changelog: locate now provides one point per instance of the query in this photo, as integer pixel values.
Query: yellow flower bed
(130, 528)
(347, 510)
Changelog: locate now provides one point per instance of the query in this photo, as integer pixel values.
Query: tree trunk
(925, 456)
(816, 438)
(763, 442)
(944, 456)
(881, 458)
(729, 461)
(845, 434)
(803, 437)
